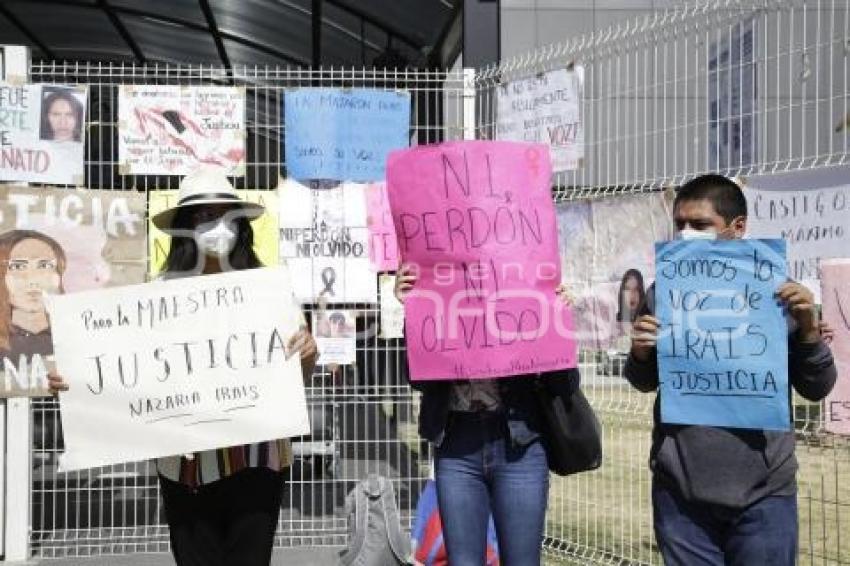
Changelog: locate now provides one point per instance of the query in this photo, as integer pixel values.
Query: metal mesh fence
(649, 107)
(362, 415)
(648, 123)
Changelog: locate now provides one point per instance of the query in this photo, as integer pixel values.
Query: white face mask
(216, 239)
(691, 234)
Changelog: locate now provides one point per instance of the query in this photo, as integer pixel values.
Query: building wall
(527, 24)
(653, 90)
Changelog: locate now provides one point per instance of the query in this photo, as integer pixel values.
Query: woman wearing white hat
(222, 505)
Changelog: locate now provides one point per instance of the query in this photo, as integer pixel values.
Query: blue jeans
(479, 470)
(691, 534)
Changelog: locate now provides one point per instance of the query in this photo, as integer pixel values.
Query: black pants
(230, 522)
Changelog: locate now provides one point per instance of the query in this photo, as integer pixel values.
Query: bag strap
(393, 522)
(361, 514)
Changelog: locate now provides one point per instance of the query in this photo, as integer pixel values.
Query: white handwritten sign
(812, 221)
(180, 366)
(545, 109)
(324, 238)
(392, 310)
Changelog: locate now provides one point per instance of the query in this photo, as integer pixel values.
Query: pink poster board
(835, 289)
(383, 249)
(477, 220)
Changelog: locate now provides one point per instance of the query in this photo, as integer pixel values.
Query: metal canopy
(232, 32)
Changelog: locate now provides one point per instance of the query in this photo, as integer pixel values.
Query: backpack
(427, 535)
(375, 536)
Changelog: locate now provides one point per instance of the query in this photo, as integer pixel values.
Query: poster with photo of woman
(608, 263)
(335, 336)
(42, 134)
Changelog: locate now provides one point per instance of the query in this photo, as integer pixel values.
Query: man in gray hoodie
(724, 496)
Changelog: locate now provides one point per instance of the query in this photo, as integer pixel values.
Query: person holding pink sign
(489, 457)
(484, 320)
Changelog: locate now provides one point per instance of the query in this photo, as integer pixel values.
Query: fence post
(15, 420)
(469, 104)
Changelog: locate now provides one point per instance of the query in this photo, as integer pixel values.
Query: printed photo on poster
(335, 335)
(54, 242)
(170, 130)
(324, 238)
(266, 237)
(42, 135)
(545, 109)
(626, 229)
(607, 254)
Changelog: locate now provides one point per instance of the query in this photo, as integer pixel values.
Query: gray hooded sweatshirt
(726, 466)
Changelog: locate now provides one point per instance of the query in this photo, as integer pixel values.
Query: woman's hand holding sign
(56, 383)
(303, 343)
(644, 337)
(566, 296)
(404, 281)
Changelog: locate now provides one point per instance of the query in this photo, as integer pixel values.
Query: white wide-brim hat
(206, 185)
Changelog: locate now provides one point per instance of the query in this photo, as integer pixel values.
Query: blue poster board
(343, 135)
(723, 342)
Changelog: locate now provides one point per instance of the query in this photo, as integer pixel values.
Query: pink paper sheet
(477, 220)
(383, 249)
(835, 291)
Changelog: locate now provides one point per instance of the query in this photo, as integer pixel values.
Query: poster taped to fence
(178, 366)
(478, 222)
(56, 241)
(723, 343)
(576, 246)
(383, 247)
(392, 310)
(343, 135)
(266, 237)
(625, 229)
(325, 241)
(608, 261)
(42, 133)
(171, 130)
(836, 312)
(335, 333)
(811, 218)
(545, 109)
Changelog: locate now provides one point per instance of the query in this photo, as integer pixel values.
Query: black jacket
(727, 466)
(518, 398)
